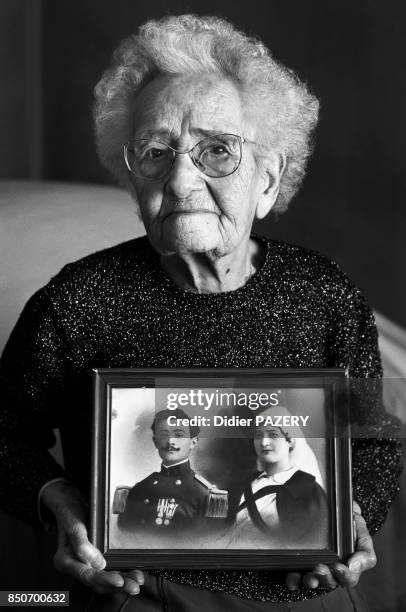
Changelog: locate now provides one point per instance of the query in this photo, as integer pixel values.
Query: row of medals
(165, 511)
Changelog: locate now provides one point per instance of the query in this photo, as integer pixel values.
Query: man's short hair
(163, 415)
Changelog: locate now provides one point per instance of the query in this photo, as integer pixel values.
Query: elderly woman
(208, 133)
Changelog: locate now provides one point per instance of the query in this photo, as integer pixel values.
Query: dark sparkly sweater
(117, 308)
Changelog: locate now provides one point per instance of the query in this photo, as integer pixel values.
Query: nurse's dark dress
(287, 510)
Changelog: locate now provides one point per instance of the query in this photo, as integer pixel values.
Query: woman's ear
(272, 170)
(292, 444)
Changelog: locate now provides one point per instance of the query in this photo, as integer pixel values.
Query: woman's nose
(183, 178)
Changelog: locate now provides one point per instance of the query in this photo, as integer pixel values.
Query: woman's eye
(152, 154)
(220, 150)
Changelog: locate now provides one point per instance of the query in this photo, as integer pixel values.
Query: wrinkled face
(187, 211)
(271, 446)
(174, 444)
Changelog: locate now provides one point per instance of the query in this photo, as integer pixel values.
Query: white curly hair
(282, 105)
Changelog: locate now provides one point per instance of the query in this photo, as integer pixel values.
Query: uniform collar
(279, 478)
(176, 470)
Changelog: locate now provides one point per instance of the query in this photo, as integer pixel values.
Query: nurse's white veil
(304, 458)
(302, 455)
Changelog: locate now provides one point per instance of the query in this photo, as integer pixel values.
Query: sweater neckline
(250, 286)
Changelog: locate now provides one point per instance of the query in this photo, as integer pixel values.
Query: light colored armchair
(46, 225)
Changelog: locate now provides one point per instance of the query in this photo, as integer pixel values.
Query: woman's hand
(75, 555)
(364, 558)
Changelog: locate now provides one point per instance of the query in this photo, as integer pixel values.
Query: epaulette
(120, 499)
(217, 501)
(203, 481)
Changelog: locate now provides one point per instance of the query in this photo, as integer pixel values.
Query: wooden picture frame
(171, 529)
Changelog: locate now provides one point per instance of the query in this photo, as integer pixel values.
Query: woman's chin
(196, 234)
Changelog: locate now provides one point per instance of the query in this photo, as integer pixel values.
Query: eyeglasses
(215, 156)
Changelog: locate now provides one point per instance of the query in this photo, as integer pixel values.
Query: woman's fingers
(83, 549)
(310, 580)
(76, 555)
(321, 577)
(325, 577)
(101, 579)
(133, 581)
(359, 562)
(364, 557)
(72, 534)
(98, 580)
(131, 586)
(346, 577)
(136, 575)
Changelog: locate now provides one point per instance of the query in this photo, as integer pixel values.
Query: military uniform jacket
(172, 497)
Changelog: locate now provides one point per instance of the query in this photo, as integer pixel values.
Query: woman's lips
(189, 212)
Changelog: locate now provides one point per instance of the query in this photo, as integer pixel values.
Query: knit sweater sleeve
(32, 373)
(376, 448)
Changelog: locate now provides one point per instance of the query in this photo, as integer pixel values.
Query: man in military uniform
(175, 496)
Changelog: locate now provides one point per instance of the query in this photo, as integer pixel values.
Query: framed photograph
(207, 468)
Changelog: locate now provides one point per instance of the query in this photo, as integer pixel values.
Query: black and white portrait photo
(168, 507)
(228, 469)
(202, 305)
(283, 504)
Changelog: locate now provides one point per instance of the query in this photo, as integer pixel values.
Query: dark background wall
(352, 53)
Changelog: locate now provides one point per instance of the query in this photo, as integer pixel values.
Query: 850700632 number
(34, 598)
